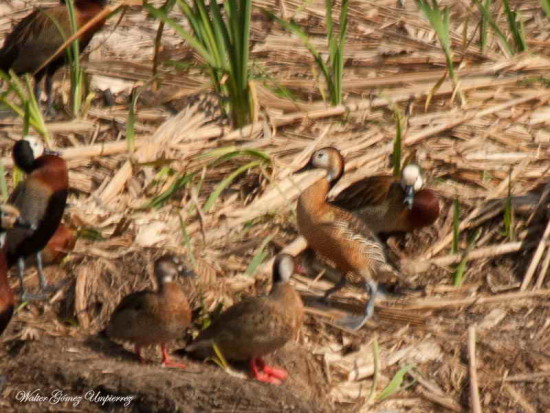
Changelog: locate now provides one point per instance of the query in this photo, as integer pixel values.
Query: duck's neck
(314, 198)
(281, 292)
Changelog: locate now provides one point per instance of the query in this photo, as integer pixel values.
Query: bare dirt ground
(415, 355)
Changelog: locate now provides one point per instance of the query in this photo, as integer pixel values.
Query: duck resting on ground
(389, 205)
(257, 326)
(148, 318)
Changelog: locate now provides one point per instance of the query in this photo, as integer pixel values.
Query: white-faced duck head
(411, 182)
(329, 159)
(283, 268)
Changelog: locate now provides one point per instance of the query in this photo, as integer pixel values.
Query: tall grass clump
(440, 22)
(515, 25)
(484, 27)
(221, 36)
(28, 108)
(331, 68)
(75, 69)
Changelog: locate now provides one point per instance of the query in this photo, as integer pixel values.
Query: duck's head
(11, 218)
(411, 182)
(168, 267)
(330, 159)
(27, 150)
(283, 268)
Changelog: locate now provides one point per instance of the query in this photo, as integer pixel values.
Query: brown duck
(148, 318)
(339, 235)
(257, 326)
(388, 205)
(38, 36)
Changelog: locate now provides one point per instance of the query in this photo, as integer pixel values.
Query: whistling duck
(388, 205)
(338, 234)
(38, 36)
(257, 326)
(41, 199)
(9, 218)
(154, 318)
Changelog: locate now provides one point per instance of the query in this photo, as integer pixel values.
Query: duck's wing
(371, 191)
(36, 36)
(349, 228)
(255, 324)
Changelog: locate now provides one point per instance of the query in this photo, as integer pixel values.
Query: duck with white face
(411, 182)
(41, 198)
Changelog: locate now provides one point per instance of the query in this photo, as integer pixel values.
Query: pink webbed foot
(266, 378)
(173, 364)
(276, 372)
(267, 374)
(166, 362)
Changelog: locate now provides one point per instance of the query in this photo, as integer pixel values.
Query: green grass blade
(226, 182)
(516, 27)
(395, 384)
(509, 212)
(460, 271)
(3, 182)
(484, 26)
(487, 15)
(376, 375)
(131, 122)
(259, 256)
(456, 227)
(545, 4)
(161, 15)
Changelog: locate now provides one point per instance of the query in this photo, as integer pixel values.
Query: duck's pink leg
(271, 371)
(166, 362)
(260, 375)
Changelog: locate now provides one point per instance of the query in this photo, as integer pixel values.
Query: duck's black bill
(307, 167)
(409, 196)
(50, 152)
(189, 273)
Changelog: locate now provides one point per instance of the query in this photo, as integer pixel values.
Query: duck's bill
(50, 152)
(409, 196)
(307, 167)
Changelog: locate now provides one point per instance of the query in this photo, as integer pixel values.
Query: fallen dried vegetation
(493, 148)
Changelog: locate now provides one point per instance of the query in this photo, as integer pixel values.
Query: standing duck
(38, 36)
(41, 199)
(257, 326)
(148, 318)
(9, 218)
(339, 235)
(389, 205)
